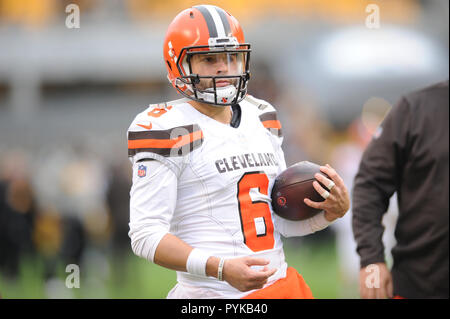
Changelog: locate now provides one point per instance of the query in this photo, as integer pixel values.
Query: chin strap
(225, 95)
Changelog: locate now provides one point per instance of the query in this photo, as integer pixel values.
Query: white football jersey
(209, 186)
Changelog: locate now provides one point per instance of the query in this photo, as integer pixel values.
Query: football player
(203, 167)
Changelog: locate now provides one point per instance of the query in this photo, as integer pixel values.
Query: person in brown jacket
(407, 155)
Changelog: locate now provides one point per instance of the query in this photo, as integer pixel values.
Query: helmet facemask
(215, 75)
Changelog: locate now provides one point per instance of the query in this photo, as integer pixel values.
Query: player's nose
(222, 65)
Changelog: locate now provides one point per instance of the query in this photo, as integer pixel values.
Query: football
(291, 187)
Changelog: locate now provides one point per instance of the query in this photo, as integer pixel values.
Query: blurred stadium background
(67, 97)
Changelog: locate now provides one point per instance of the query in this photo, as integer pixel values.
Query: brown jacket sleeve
(378, 177)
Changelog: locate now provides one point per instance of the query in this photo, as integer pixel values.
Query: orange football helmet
(208, 36)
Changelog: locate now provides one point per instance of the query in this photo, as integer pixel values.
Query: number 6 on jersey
(256, 219)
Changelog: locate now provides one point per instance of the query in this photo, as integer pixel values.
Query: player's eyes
(211, 59)
(208, 59)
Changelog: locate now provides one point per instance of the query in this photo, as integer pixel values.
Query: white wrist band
(220, 269)
(196, 262)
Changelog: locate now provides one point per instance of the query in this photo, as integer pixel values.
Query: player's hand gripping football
(337, 200)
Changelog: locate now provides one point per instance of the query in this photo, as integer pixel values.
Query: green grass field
(133, 277)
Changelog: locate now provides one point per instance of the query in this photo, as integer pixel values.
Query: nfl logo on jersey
(142, 170)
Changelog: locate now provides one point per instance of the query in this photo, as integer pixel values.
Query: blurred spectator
(17, 212)
(345, 157)
(48, 236)
(74, 241)
(117, 198)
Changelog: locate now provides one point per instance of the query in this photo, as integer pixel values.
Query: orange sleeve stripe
(272, 124)
(166, 143)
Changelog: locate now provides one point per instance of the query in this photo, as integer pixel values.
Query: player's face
(216, 64)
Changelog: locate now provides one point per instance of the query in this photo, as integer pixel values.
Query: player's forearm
(289, 228)
(212, 266)
(172, 253)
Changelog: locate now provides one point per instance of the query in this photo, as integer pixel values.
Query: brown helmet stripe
(226, 24)
(209, 21)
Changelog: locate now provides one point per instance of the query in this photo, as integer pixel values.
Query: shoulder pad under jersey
(260, 104)
(267, 115)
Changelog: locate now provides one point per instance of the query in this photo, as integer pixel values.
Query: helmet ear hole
(191, 14)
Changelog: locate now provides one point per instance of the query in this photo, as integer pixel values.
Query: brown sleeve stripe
(268, 116)
(177, 141)
(166, 143)
(270, 122)
(163, 134)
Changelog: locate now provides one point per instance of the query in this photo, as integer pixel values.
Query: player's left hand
(337, 200)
